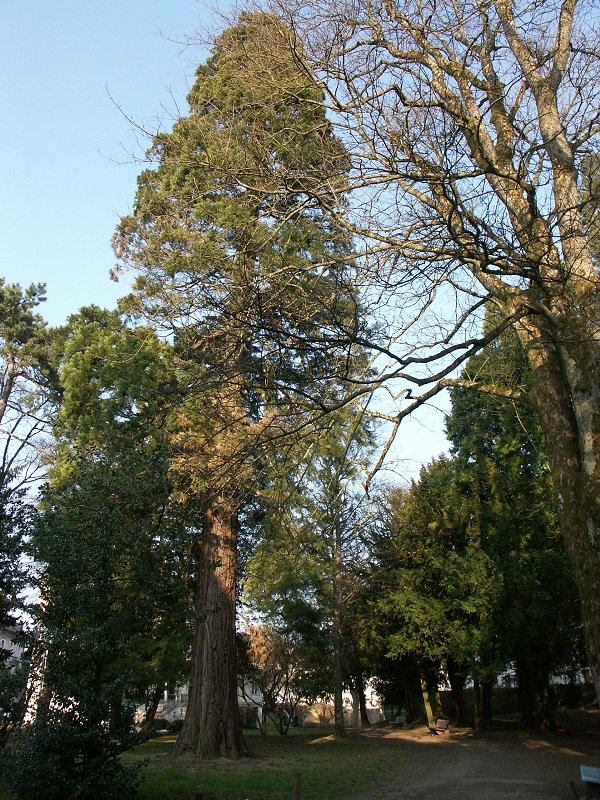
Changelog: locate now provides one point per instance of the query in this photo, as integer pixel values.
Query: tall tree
(25, 375)
(337, 511)
(466, 126)
(111, 438)
(243, 280)
(433, 588)
(104, 574)
(109, 548)
(502, 473)
(474, 577)
(311, 552)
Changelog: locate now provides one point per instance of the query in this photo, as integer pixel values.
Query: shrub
(66, 755)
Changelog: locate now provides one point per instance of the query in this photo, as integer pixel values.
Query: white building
(7, 642)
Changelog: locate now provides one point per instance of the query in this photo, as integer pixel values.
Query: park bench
(398, 720)
(591, 777)
(441, 726)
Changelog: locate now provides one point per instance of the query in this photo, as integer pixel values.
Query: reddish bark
(212, 726)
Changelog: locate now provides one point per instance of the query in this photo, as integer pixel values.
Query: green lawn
(330, 769)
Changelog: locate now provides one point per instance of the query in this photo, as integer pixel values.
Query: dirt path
(496, 765)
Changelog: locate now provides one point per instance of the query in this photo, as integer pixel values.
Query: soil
(498, 764)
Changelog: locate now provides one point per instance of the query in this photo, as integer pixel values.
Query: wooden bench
(400, 719)
(441, 726)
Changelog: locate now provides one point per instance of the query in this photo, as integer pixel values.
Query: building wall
(7, 642)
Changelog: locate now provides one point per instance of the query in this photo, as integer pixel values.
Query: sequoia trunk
(212, 727)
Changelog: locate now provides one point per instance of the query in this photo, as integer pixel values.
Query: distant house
(174, 705)
(8, 634)
(323, 712)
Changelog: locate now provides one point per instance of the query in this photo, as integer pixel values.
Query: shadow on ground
(504, 762)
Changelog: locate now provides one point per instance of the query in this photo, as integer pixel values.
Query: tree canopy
(252, 289)
(367, 203)
(466, 127)
(472, 576)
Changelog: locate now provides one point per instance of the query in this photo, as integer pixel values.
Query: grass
(329, 768)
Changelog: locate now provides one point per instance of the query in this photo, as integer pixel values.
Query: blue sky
(63, 141)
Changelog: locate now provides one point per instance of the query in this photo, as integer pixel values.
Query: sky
(66, 169)
(76, 78)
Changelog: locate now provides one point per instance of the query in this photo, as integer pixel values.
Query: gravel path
(495, 765)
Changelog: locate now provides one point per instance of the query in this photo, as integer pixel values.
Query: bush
(68, 756)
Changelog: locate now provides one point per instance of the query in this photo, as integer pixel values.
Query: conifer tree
(112, 598)
(501, 473)
(253, 288)
(475, 575)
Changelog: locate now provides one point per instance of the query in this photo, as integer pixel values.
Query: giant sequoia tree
(466, 126)
(253, 289)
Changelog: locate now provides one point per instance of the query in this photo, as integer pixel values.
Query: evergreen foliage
(113, 605)
(474, 575)
(253, 288)
(25, 380)
(70, 753)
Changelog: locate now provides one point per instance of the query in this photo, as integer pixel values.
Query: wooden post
(297, 779)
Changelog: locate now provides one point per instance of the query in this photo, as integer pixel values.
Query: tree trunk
(212, 726)
(354, 719)
(338, 685)
(426, 698)
(338, 682)
(360, 718)
(477, 704)
(566, 382)
(151, 710)
(362, 701)
(409, 696)
(438, 702)
(527, 697)
(457, 684)
(486, 697)
(545, 705)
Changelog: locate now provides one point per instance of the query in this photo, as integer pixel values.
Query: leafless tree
(466, 125)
